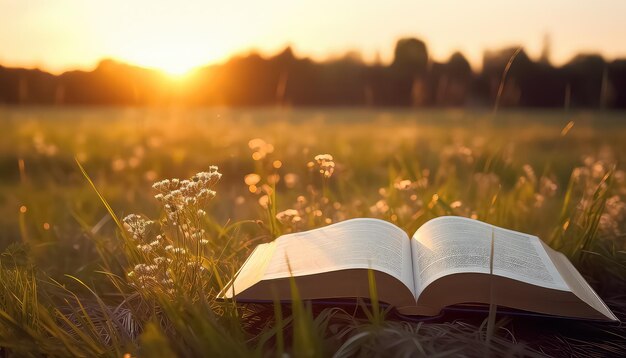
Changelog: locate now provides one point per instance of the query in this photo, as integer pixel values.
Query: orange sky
(178, 35)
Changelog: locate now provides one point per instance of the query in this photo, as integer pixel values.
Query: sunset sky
(178, 35)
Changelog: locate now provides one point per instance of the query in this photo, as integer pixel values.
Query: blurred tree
(449, 82)
(494, 66)
(546, 49)
(410, 56)
(409, 68)
(617, 79)
(585, 74)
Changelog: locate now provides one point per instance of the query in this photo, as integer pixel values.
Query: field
(67, 287)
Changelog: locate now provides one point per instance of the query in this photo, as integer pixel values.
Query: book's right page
(451, 244)
(452, 259)
(577, 283)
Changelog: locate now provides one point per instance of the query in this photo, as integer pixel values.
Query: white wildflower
(403, 184)
(289, 216)
(326, 164)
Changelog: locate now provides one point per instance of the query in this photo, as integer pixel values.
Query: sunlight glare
(174, 55)
(176, 69)
(169, 62)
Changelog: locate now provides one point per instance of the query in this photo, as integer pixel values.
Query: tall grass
(86, 285)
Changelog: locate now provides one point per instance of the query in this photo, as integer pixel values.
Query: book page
(449, 245)
(577, 283)
(251, 272)
(350, 244)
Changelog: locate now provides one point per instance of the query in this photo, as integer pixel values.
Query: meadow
(98, 260)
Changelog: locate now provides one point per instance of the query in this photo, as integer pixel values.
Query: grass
(67, 251)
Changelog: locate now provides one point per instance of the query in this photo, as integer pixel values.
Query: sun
(175, 61)
(177, 70)
(173, 50)
(175, 67)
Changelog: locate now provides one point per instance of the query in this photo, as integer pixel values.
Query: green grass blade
(102, 199)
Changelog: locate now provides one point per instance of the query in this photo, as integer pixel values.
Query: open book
(448, 261)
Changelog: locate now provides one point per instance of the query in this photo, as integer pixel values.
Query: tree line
(411, 79)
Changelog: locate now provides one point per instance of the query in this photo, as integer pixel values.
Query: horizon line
(265, 54)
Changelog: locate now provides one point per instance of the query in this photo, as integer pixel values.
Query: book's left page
(332, 261)
(252, 270)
